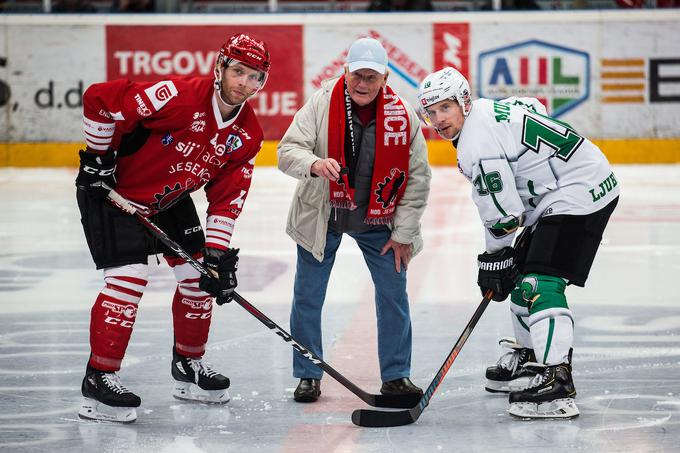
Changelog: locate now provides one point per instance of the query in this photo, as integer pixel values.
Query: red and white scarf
(390, 169)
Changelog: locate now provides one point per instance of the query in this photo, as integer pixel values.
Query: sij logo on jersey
(388, 189)
(167, 139)
(234, 142)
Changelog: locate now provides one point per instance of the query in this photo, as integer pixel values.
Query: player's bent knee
(518, 305)
(543, 292)
(126, 282)
(138, 271)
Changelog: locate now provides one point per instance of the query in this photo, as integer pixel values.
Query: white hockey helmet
(446, 83)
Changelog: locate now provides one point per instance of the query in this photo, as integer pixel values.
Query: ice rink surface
(626, 353)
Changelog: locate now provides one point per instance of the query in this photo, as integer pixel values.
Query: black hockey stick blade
(389, 401)
(382, 419)
(392, 401)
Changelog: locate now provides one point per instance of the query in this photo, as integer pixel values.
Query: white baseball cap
(367, 53)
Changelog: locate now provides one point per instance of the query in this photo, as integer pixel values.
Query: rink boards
(614, 76)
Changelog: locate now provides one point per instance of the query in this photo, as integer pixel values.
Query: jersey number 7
(535, 132)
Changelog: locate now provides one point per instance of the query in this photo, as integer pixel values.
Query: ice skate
(509, 374)
(549, 395)
(106, 398)
(195, 380)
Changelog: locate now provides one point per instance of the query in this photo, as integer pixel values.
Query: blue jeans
(391, 303)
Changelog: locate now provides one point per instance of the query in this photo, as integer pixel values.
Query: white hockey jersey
(524, 165)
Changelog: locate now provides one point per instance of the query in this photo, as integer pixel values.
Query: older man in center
(359, 154)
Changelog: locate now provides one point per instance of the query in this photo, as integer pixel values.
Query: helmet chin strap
(218, 90)
(225, 103)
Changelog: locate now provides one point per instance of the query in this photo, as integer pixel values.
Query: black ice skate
(195, 380)
(106, 398)
(509, 374)
(549, 395)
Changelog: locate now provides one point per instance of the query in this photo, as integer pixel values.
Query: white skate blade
(94, 410)
(557, 409)
(507, 386)
(186, 391)
(509, 342)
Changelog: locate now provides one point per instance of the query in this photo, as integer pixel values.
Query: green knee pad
(541, 292)
(516, 297)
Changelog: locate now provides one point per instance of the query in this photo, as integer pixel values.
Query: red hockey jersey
(182, 145)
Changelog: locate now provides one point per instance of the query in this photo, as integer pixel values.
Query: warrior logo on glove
(498, 273)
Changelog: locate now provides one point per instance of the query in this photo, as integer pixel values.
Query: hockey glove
(222, 264)
(97, 172)
(497, 272)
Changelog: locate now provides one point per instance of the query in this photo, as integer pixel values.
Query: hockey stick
(393, 401)
(382, 419)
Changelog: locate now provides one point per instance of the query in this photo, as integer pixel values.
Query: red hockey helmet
(246, 50)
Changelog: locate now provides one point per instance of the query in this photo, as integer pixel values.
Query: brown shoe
(307, 391)
(401, 386)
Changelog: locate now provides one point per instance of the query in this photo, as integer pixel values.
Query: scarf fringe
(343, 204)
(378, 220)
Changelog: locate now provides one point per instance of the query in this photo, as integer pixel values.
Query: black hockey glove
(97, 172)
(222, 264)
(497, 272)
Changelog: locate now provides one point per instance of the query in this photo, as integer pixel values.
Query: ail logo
(234, 142)
(558, 76)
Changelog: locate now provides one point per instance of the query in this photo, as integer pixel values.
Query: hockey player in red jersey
(155, 143)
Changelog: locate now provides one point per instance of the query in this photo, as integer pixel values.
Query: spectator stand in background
(509, 5)
(400, 5)
(133, 6)
(73, 6)
(310, 6)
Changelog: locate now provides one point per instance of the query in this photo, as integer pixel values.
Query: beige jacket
(306, 141)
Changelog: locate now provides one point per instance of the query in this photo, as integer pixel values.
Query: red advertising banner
(153, 52)
(452, 47)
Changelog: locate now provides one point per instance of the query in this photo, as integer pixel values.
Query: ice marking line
(39, 388)
(6, 339)
(4, 344)
(54, 434)
(62, 410)
(656, 248)
(212, 347)
(618, 324)
(49, 323)
(630, 338)
(614, 352)
(624, 427)
(129, 360)
(84, 323)
(604, 403)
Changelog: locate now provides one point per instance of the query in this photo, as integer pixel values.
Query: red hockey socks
(113, 317)
(191, 311)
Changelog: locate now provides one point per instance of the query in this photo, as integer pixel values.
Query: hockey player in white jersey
(533, 172)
